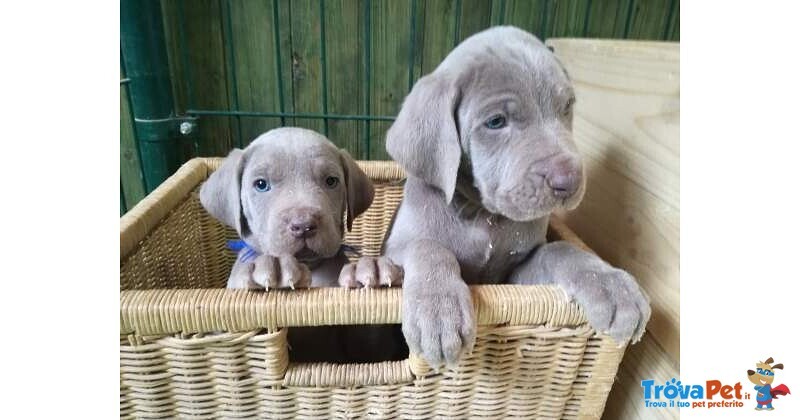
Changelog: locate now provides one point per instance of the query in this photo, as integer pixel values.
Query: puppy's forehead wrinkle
(488, 88)
(285, 160)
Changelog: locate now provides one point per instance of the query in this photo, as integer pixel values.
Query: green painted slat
(674, 31)
(388, 78)
(207, 72)
(498, 12)
(306, 62)
(530, 15)
(177, 57)
(416, 41)
(438, 32)
(284, 49)
(649, 18)
(229, 44)
(568, 18)
(256, 62)
(345, 71)
(122, 206)
(475, 17)
(174, 14)
(607, 19)
(130, 173)
(277, 54)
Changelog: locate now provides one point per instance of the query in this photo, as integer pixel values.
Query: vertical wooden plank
(284, 27)
(475, 17)
(498, 12)
(417, 41)
(169, 11)
(649, 18)
(122, 206)
(345, 69)
(207, 77)
(307, 62)
(530, 15)
(256, 63)
(389, 45)
(132, 183)
(607, 19)
(176, 55)
(568, 19)
(438, 32)
(674, 31)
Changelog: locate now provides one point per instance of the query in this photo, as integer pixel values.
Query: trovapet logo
(714, 394)
(711, 394)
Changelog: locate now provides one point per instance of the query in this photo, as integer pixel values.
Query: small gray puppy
(486, 140)
(286, 195)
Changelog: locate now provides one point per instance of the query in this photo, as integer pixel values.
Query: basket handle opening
(347, 355)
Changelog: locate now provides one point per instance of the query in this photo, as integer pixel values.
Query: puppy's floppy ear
(221, 193)
(778, 366)
(358, 187)
(424, 138)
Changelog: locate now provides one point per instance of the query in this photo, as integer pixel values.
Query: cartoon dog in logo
(763, 377)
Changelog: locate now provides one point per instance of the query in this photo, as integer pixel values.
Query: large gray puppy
(486, 140)
(286, 195)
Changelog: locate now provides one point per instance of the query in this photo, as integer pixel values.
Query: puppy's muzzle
(303, 223)
(563, 176)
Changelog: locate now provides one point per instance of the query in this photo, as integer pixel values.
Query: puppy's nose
(303, 225)
(564, 178)
(563, 185)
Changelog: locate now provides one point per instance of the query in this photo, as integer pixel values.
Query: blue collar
(251, 253)
(239, 245)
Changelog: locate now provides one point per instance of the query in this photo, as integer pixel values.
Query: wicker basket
(190, 348)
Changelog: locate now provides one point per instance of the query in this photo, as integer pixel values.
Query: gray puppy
(486, 140)
(286, 195)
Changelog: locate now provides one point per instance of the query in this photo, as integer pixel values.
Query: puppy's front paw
(438, 321)
(270, 272)
(281, 272)
(613, 302)
(371, 272)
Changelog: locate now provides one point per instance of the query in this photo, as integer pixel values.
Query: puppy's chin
(315, 248)
(535, 208)
(307, 249)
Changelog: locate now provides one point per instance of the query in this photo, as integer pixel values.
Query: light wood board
(627, 128)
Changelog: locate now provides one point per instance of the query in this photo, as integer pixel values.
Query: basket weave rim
(169, 311)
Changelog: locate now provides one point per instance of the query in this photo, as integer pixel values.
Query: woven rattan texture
(205, 352)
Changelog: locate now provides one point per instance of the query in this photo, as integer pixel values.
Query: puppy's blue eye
(261, 185)
(331, 181)
(498, 121)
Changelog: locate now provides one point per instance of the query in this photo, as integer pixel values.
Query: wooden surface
(131, 182)
(267, 56)
(627, 121)
(644, 360)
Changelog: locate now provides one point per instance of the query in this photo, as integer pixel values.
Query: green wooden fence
(341, 67)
